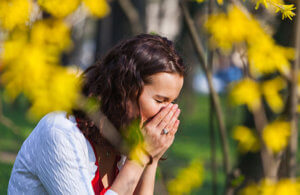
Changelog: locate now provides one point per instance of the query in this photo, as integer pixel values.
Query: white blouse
(56, 158)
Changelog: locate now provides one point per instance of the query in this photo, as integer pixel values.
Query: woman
(138, 79)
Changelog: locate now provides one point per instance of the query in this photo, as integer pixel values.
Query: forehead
(164, 84)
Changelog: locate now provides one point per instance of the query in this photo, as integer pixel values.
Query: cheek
(149, 109)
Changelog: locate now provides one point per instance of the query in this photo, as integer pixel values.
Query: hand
(156, 142)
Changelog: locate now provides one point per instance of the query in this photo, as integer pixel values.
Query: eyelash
(159, 101)
(162, 102)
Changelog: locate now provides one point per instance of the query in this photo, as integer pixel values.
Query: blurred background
(209, 156)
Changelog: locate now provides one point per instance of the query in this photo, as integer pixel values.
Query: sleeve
(110, 192)
(62, 163)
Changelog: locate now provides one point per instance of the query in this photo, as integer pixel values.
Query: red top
(97, 184)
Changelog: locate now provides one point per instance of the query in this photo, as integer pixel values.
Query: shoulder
(57, 120)
(55, 134)
(57, 124)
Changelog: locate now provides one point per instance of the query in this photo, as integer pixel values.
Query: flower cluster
(246, 92)
(187, 179)
(17, 13)
(277, 5)
(266, 187)
(59, 8)
(34, 48)
(43, 81)
(14, 13)
(264, 55)
(276, 135)
(249, 92)
(247, 140)
(286, 10)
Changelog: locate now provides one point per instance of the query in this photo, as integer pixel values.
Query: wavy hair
(118, 79)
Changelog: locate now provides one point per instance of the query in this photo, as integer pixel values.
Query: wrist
(140, 156)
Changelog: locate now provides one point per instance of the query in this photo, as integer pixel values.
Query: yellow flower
(13, 47)
(218, 26)
(271, 91)
(137, 152)
(276, 135)
(97, 8)
(220, 2)
(246, 92)
(200, 1)
(251, 189)
(267, 187)
(228, 29)
(33, 64)
(60, 83)
(266, 57)
(258, 2)
(286, 10)
(287, 186)
(59, 8)
(187, 179)
(248, 141)
(14, 13)
(59, 31)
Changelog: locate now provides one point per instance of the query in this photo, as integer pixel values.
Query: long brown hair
(118, 79)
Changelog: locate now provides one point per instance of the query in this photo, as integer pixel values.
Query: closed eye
(158, 101)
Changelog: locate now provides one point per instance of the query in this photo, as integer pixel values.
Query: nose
(164, 105)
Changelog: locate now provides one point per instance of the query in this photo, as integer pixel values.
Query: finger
(175, 127)
(157, 119)
(173, 120)
(165, 121)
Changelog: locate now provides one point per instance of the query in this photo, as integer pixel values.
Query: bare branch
(292, 150)
(215, 98)
(132, 15)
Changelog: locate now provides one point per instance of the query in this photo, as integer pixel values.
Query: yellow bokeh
(187, 179)
(14, 13)
(251, 189)
(271, 89)
(97, 8)
(264, 55)
(246, 92)
(247, 140)
(53, 33)
(59, 8)
(269, 187)
(276, 135)
(49, 97)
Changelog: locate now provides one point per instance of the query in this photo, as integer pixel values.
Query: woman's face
(163, 89)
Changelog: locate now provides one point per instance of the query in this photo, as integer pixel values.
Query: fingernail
(175, 106)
